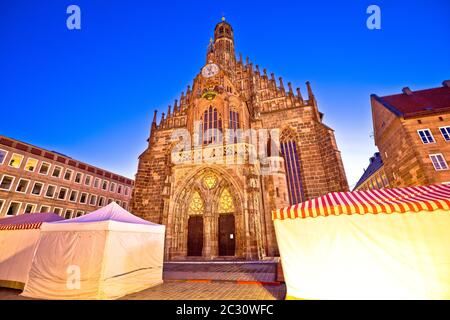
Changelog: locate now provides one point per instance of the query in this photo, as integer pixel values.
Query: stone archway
(206, 188)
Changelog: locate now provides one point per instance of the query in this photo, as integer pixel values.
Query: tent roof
(28, 221)
(400, 200)
(111, 212)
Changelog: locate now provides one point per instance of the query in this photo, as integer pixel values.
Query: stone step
(257, 272)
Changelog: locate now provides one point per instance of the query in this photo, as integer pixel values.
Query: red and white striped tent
(377, 244)
(18, 239)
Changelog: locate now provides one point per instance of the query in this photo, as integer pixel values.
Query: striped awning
(399, 200)
(21, 226)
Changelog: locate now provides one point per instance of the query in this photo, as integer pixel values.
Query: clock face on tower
(210, 70)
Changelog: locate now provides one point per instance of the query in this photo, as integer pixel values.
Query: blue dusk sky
(90, 93)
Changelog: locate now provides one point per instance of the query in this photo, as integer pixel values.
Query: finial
(211, 40)
(154, 117)
(223, 18)
(281, 83)
(310, 93)
(290, 88)
(299, 94)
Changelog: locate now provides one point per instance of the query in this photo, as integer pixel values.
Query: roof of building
(418, 103)
(63, 159)
(375, 164)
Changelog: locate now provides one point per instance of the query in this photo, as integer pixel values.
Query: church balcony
(237, 153)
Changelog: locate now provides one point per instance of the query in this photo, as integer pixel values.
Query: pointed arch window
(212, 126)
(196, 205)
(226, 204)
(234, 123)
(289, 151)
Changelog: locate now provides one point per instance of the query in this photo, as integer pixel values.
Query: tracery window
(234, 123)
(289, 151)
(226, 204)
(209, 181)
(196, 206)
(212, 125)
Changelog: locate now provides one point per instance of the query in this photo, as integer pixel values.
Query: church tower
(224, 44)
(250, 146)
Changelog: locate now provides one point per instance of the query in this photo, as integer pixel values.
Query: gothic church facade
(215, 194)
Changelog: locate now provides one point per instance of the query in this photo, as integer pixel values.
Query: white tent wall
(133, 262)
(114, 259)
(57, 257)
(16, 253)
(371, 256)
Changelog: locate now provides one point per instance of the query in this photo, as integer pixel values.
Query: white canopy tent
(103, 255)
(18, 238)
(377, 244)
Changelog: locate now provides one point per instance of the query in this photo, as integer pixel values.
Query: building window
(439, 162)
(7, 183)
(58, 211)
(127, 191)
(44, 209)
(101, 201)
(3, 154)
(426, 136)
(45, 168)
(2, 202)
(105, 185)
(119, 189)
(112, 187)
(14, 208)
(83, 198)
(118, 202)
(79, 213)
(445, 133)
(292, 165)
(110, 200)
(62, 193)
(73, 196)
(31, 164)
(385, 180)
(50, 193)
(212, 126)
(78, 177)
(37, 188)
(29, 208)
(57, 172)
(68, 175)
(16, 161)
(22, 186)
(92, 200)
(87, 180)
(234, 123)
(96, 183)
(125, 205)
(68, 214)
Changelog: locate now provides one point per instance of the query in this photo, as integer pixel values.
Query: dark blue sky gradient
(91, 93)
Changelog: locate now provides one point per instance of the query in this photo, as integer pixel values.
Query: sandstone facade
(215, 195)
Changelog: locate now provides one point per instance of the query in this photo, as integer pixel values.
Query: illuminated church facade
(252, 146)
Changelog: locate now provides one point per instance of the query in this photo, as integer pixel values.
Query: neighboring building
(374, 176)
(412, 133)
(214, 209)
(33, 179)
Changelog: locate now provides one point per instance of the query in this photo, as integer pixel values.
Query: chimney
(407, 91)
(446, 83)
